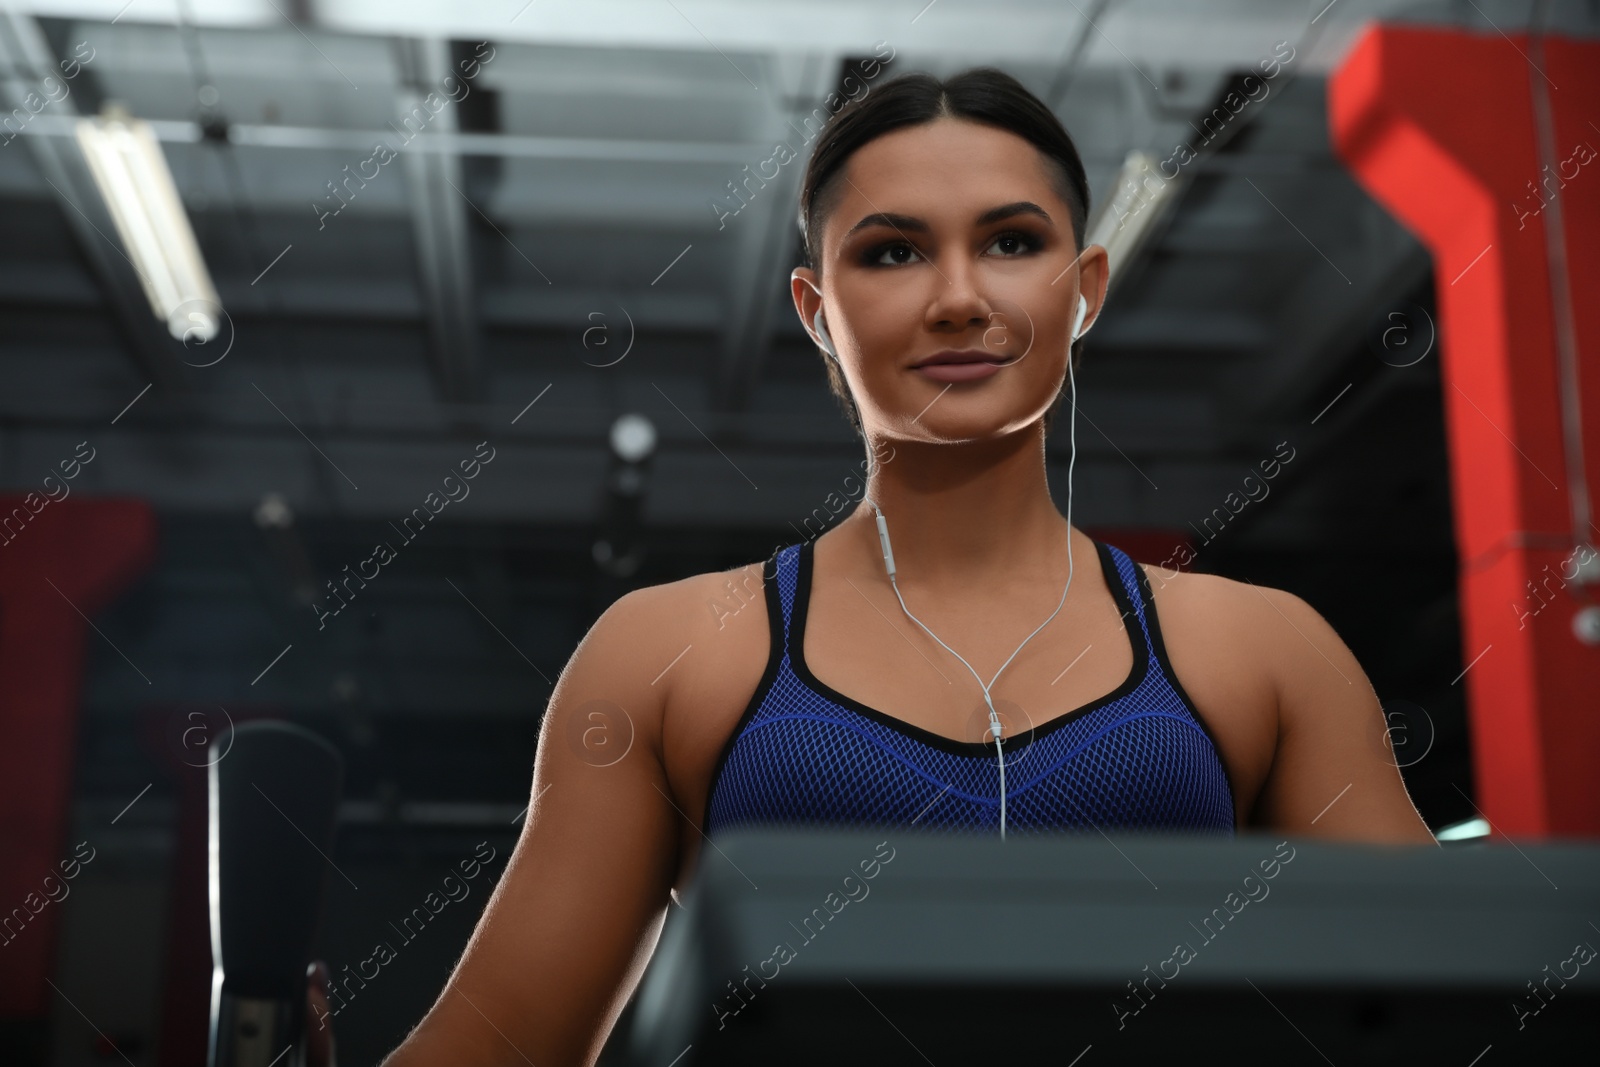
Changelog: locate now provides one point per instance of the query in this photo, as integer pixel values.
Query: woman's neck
(962, 512)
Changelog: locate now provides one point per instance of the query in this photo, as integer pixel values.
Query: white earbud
(1083, 311)
(822, 333)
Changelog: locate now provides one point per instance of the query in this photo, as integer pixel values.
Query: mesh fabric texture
(1138, 758)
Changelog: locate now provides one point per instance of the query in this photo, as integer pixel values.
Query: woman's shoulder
(1223, 639)
(680, 659)
(697, 604)
(695, 651)
(1229, 608)
(692, 635)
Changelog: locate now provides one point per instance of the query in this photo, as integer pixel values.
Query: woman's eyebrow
(916, 225)
(890, 219)
(1006, 211)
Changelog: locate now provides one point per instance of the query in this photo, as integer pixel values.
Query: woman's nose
(957, 302)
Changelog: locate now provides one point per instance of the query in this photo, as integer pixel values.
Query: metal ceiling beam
(391, 300)
(450, 141)
(767, 227)
(765, 234)
(1154, 33)
(189, 471)
(439, 208)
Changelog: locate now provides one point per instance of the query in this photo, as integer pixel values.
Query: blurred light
(1587, 558)
(1463, 831)
(137, 186)
(618, 565)
(345, 687)
(273, 512)
(617, 551)
(1125, 220)
(628, 480)
(1586, 625)
(633, 437)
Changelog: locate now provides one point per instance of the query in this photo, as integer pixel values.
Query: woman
(943, 229)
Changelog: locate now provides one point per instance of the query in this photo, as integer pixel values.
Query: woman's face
(949, 238)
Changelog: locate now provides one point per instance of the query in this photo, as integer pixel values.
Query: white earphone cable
(888, 559)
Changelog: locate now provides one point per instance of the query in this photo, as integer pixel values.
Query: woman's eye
(896, 255)
(1012, 244)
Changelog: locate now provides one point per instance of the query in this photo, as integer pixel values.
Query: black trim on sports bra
(769, 583)
(1165, 666)
(1136, 673)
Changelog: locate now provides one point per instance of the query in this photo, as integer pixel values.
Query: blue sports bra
(803, 754)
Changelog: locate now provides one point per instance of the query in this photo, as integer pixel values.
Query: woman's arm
(568, 930)
(1334, 773)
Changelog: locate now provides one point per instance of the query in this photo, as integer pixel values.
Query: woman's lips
(961, 372)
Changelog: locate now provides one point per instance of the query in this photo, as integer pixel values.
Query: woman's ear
(807, 299)
(1094, 275)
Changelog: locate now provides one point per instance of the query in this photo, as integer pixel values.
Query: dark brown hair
(982, 95)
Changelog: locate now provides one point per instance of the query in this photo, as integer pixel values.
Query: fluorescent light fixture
(1127, 218)
(128, 167)
(1468, 830)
